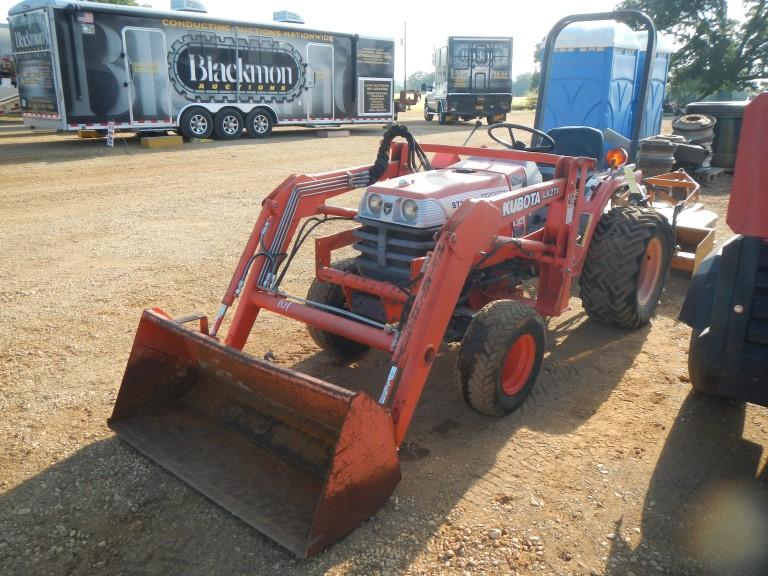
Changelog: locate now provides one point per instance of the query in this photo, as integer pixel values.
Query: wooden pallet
(170, 141)
(707, 175)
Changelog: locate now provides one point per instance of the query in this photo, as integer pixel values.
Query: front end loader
(452, 243)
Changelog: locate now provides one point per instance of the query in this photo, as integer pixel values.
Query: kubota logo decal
(526, 201)
(523, 202)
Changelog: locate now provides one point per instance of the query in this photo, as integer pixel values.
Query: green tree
(717, 53)
(416, 79)
(538, 54)
(521, 84)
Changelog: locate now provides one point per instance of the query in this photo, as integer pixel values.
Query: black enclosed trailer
(473, 79)
(86, 65)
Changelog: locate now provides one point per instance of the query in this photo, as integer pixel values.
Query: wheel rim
(518, 364)
(260, 124)
(198, 124)
(650, 272)
(230, 124)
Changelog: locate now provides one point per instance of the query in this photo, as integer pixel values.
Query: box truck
(473, 79)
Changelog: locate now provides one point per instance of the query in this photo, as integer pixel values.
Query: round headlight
(374, 203)
(410, 209)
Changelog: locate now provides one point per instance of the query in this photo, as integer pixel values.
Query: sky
(424, 24)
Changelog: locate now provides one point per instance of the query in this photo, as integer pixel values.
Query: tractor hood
(428, 199)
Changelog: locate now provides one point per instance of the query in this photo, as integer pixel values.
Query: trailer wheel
(626, 266)
(442, 118)
(703, 379)
(259, 123)
(495, 118)
(333, 295)
(500, 357)
(196, 122)
(228, 124)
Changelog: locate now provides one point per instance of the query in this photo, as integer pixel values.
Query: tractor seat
(575, 141)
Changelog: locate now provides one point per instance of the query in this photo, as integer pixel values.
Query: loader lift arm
(468, 235)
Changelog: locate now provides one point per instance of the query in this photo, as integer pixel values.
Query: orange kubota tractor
(447, 238)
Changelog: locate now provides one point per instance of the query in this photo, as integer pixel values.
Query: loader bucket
(300, 459)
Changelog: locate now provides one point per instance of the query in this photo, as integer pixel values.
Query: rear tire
(703, 379)
(333, 295)
(259, 123)
(196, 122)
(228, 124)
(626, 266)
(500, 357)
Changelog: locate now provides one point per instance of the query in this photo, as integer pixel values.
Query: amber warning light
(616, 157)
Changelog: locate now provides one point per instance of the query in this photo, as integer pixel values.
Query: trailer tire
(500, 357)
(228, 124)
(441, 116)
(626, 266)
(196, 122)
(259, 123)
(704, 380)
(333, 295)
(495, 119)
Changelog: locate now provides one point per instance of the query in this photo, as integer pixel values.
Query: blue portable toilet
(592, 78)
(657, 82)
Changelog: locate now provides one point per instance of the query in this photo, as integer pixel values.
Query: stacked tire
(697, 129)
(727, 130)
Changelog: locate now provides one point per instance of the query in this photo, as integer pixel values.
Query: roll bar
(625, 16)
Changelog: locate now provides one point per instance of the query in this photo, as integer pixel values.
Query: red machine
(727, 301)
(453, 243)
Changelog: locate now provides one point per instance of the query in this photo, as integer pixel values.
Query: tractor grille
(387, 250)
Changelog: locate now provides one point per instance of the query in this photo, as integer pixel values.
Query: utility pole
(405, 54)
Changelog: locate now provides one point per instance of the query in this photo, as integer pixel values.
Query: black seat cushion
(578, 141)
(575, 141)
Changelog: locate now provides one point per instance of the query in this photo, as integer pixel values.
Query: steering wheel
(515, 144)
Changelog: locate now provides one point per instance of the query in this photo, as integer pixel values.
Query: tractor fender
(699, 301)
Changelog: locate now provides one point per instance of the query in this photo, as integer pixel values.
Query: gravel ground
(612, 467)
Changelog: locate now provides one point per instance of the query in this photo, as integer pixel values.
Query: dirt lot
(612, 467)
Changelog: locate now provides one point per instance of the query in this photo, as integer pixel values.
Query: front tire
(427, 114)
(228, 124)
(333, 295)
(626, 266)
(500, 357)
(196, 123)
(259, 123)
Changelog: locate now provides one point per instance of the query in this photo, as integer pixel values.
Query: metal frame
(479, 235)
(619, 16)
